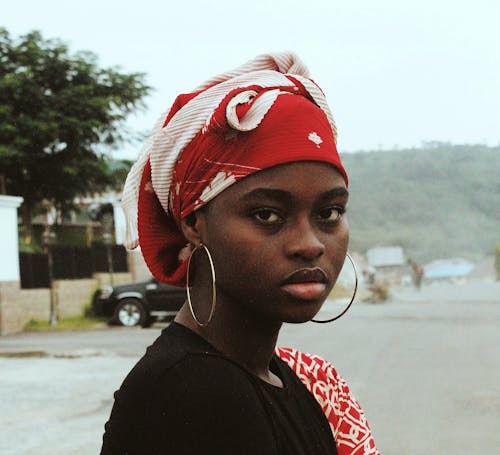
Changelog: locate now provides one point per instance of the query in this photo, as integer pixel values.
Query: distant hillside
(438, 201)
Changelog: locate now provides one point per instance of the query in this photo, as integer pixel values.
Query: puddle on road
(24, 354)
(58, 355)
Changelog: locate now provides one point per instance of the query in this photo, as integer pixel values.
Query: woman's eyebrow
(340, 191)
(287, 197)
(268, 193)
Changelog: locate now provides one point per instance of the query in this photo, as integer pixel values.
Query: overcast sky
(395, 72)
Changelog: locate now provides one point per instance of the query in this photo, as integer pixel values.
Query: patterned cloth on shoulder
(347, 420)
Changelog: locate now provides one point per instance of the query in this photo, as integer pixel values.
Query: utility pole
(107, 224)
(49, 239)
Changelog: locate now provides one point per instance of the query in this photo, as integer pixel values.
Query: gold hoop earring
(214, 294)
(352, 298)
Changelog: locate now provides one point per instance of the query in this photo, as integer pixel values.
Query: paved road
(425, 368)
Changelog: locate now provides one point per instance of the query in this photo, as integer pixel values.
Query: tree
(57, 110)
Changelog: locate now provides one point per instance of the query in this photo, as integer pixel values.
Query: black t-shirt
(184, 397)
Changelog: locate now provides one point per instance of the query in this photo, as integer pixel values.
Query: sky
(396, 73)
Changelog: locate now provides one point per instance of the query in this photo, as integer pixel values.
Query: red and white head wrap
(264, 113)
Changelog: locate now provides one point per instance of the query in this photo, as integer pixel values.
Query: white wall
(9, 247)
(120, 223)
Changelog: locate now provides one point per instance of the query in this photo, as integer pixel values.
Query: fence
(34, 270)
(69, 262)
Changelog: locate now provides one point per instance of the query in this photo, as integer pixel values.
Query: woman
(240, 195)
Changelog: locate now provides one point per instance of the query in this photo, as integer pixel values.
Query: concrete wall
(18, 306)
(73, 295)
(9, 261)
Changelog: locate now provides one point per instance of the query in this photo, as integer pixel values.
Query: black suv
(138, 303)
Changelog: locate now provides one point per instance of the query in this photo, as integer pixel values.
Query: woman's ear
(192, 227)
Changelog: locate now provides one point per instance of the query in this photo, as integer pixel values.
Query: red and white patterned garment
(347, 420)
(266, 113)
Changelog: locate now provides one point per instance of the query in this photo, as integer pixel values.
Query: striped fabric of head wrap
(264, 113)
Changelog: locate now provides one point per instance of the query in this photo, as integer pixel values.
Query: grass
(71, 323)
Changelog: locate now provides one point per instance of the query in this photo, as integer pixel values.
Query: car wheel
(131, 312)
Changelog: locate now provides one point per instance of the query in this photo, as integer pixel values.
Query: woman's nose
(304, 242)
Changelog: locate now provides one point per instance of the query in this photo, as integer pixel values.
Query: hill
(437, 201)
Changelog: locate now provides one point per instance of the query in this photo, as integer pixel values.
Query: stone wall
(73, 295)
(18, 306)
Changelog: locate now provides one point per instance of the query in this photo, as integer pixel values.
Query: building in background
(389, 263)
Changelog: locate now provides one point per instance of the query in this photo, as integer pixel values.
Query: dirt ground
(425, 367)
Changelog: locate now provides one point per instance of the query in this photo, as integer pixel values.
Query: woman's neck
(239, 334)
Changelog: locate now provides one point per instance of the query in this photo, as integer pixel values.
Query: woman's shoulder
(167, 350)
(344, 413)
(308, 366)
(176, 392)
(179, 360)
(321, 379)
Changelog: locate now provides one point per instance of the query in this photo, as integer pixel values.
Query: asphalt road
(424, 366)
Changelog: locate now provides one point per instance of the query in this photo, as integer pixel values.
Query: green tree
(59, 112)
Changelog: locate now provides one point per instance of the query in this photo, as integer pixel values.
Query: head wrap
(264, 113)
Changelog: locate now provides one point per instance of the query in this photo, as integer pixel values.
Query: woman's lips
(306, 284)
(305, 291)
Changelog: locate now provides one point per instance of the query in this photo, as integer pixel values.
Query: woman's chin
(304, 314)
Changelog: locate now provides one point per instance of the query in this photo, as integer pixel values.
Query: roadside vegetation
(84, 321)
(436, 201)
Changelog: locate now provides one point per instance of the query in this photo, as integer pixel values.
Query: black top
(184, 397)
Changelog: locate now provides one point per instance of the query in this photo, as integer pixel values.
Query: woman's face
(278, 239)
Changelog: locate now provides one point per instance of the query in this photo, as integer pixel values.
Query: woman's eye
(331, 214)
(267, 216)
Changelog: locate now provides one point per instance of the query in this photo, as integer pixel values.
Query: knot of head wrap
(265, 113)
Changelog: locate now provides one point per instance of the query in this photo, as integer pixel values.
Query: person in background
(418, 273)
(240, 195)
